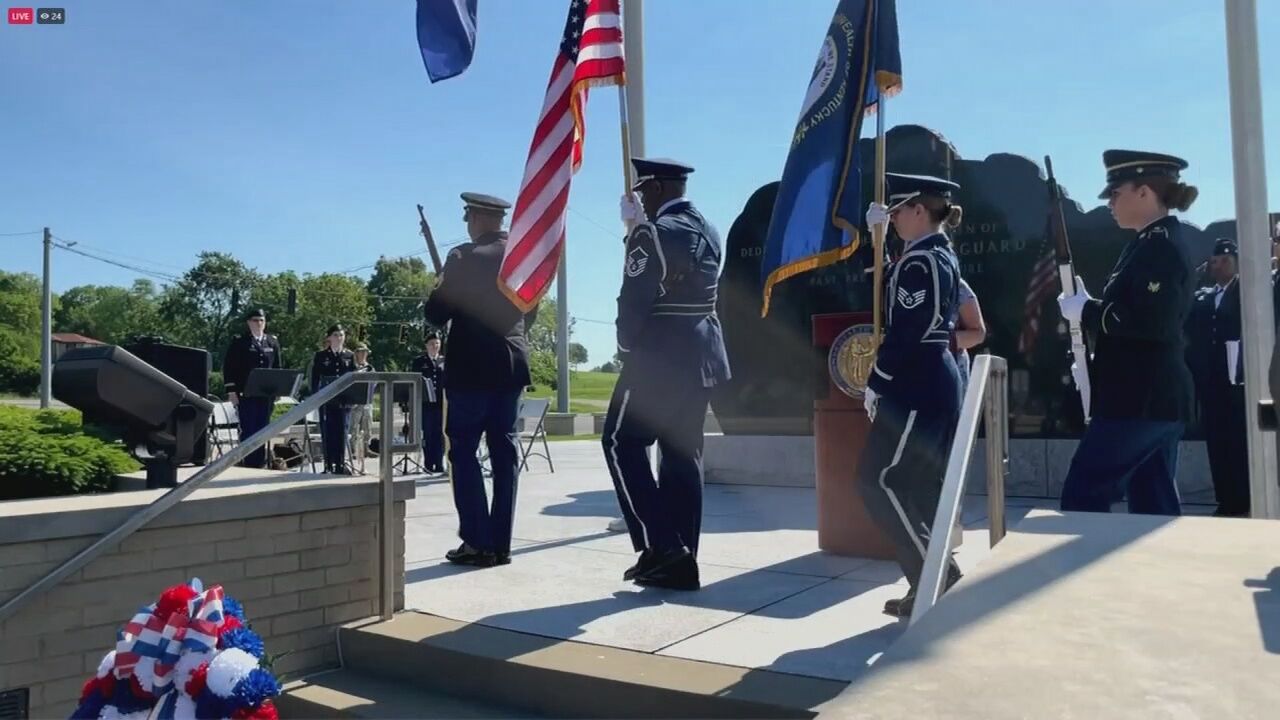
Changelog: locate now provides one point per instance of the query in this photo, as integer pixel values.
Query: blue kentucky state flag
(446, 36)
(819, 207)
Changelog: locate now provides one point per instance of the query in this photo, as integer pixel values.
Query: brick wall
(299, 576)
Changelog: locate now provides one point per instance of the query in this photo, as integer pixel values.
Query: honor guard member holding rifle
(254, 349)
(913, 392)
(672, 352)
(326, 366)
(1142, 390)
(430, 364)
(489, 370)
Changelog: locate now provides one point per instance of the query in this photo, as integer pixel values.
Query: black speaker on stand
(189, 366)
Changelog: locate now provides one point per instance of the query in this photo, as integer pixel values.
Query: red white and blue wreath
(190, 655)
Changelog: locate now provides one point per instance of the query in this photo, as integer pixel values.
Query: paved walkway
(770, 598)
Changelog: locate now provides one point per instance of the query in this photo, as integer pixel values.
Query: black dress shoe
(642, 565)
(673, 570)
(464, 554)
(902, 607)
(502, 558)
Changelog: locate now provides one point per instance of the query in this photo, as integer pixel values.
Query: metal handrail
(386, 515)
(988, 390)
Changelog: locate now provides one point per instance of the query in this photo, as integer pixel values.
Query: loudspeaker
(160, 419)
(189, 366)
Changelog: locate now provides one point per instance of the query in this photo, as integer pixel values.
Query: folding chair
(535, 410)
(224, 427)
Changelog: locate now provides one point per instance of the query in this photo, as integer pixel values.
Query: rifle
(431, 242)
(1067, 276)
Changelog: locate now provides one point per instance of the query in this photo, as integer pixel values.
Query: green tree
(401, 284)
(577, 354)
(19, 332)
(109, 313)
(198, 309)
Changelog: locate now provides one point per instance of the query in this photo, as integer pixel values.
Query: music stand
(402, 395)
(272, 383)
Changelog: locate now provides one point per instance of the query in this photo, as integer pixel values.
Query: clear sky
(299, 134)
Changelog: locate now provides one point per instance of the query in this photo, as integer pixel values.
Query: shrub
(45, 452)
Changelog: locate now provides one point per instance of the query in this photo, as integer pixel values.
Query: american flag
(1040, 289)
(590, 53)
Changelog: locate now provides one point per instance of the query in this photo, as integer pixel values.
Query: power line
(17, 234)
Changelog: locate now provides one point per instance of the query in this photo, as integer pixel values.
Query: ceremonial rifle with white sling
(1067, 276)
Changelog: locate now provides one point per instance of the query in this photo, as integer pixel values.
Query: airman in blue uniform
(1141, 388)
(913, 392)
(430, 364)
(1213, 330)
(672, 351)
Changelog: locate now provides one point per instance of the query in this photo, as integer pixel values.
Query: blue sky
(300, 134)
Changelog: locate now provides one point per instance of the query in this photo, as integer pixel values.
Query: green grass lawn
(589, 392)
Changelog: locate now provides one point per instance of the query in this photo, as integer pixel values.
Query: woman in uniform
(1142, 391)
(326, 366)
(913, 391)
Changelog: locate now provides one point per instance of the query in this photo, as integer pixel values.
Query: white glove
(632, 210)
(1078, 374)
(877, 214)
(1073, 305)
(869, 401)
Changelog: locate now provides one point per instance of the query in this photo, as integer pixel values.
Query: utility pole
(1252, 237)
(46, 329)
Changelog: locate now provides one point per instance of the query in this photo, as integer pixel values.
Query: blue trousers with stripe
(900, 475)
(661, 513)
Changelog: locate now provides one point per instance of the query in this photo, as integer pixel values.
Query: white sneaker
(618, 525)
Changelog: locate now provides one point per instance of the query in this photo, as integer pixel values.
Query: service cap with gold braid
(1128, 165)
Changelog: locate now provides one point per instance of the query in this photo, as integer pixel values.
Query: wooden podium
(840, 428)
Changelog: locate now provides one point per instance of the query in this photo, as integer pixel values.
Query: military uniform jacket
(667, 324)
(244, 354)
(487, 335)
(1212, 324)
(1139, 370)
(914, 364)
(327, 365)
(432, 370)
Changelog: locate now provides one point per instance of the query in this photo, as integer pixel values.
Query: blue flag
(819, 207)
(446, 36)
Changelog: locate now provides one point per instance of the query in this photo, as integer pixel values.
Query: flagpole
(1245, 94)
(878, 231)
(631, 94)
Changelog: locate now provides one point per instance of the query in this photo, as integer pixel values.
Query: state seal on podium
(850, 359)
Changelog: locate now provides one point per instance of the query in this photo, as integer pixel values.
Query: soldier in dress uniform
(1141, 388)
(913, 391)
(1216, 365)
(253, 349)
(326, 366)
(673, 354)
(489, 370)
(431, 365)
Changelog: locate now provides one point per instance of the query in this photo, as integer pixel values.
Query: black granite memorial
(775, 370)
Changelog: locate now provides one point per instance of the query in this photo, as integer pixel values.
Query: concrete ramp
(1085, 615)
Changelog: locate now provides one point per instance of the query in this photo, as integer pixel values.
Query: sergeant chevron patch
(908, 300)
(637, 261)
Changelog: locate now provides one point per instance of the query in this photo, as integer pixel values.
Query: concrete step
(545, 676)
(350, 694)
